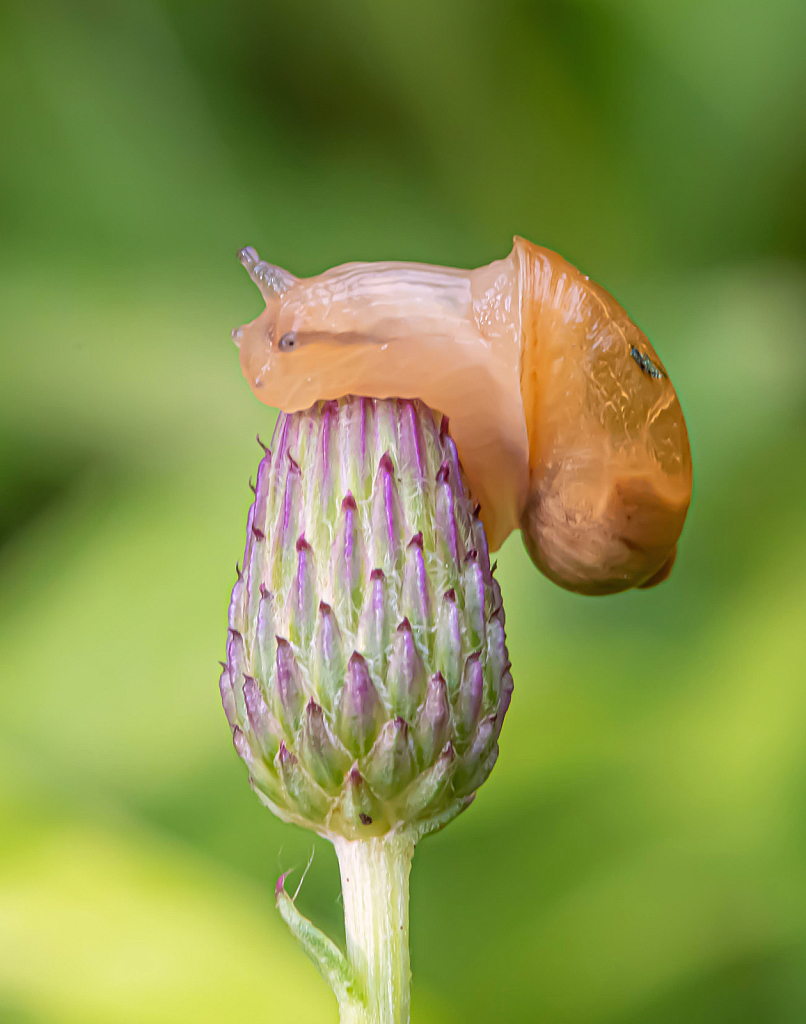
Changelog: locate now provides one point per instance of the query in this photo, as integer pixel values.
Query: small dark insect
(365, 819)
(645, 364)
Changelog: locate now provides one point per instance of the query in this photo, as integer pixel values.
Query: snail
(566, 423)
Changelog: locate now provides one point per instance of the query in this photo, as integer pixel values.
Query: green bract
(367, 675)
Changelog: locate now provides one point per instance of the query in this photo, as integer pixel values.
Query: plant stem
(375, 889)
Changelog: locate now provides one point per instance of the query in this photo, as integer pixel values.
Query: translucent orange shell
(609, 458)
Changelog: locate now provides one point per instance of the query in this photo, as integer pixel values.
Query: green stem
(375, 889)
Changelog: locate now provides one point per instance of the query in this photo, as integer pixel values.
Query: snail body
(565, 420)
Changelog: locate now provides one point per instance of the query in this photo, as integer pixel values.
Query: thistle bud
(367, 675)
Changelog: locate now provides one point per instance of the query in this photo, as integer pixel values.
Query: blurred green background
(639, 854)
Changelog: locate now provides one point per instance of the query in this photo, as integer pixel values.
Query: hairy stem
(375, 889)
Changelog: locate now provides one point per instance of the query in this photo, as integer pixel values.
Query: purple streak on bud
(347, 564)
(328, 657)
(237, 602)
(320, 754)
(256, 708)
(285, 529)
(228, 698)
(237, 663)
(484, 739)
(354, 474)
(375, 626)
(325, 463)
(411, 454)
(386, 516)
(290, 697)
(448, 646)
(254, 563)
(349, 508)
(415, 602)
(262, 494)
(303, 595)
(475, 595)
(291, 498)
(262, 723)
(328, 418)
(241, 745)
(280, 435)
(450, 549)
(469, 698)
(359, 711)
(265, 637)
(244, 576)
(479, 541)
(302, 791)
(389, 766)
(361, 425)
(504, 700)
(433, 723)
(236, 657)
(406, 680)
(479, 760)
(497, 660)
(451, 463)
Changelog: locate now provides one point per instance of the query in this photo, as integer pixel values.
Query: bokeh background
(639, 854)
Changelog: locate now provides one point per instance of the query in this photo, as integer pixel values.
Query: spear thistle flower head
(367, 675)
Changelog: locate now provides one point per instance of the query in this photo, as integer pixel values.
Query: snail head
(263, 337)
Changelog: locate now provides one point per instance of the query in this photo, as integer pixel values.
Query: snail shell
(565, 420)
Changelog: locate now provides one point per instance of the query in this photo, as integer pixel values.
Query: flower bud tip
(279, 888)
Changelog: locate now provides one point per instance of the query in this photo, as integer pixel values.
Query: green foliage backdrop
(639, 855)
